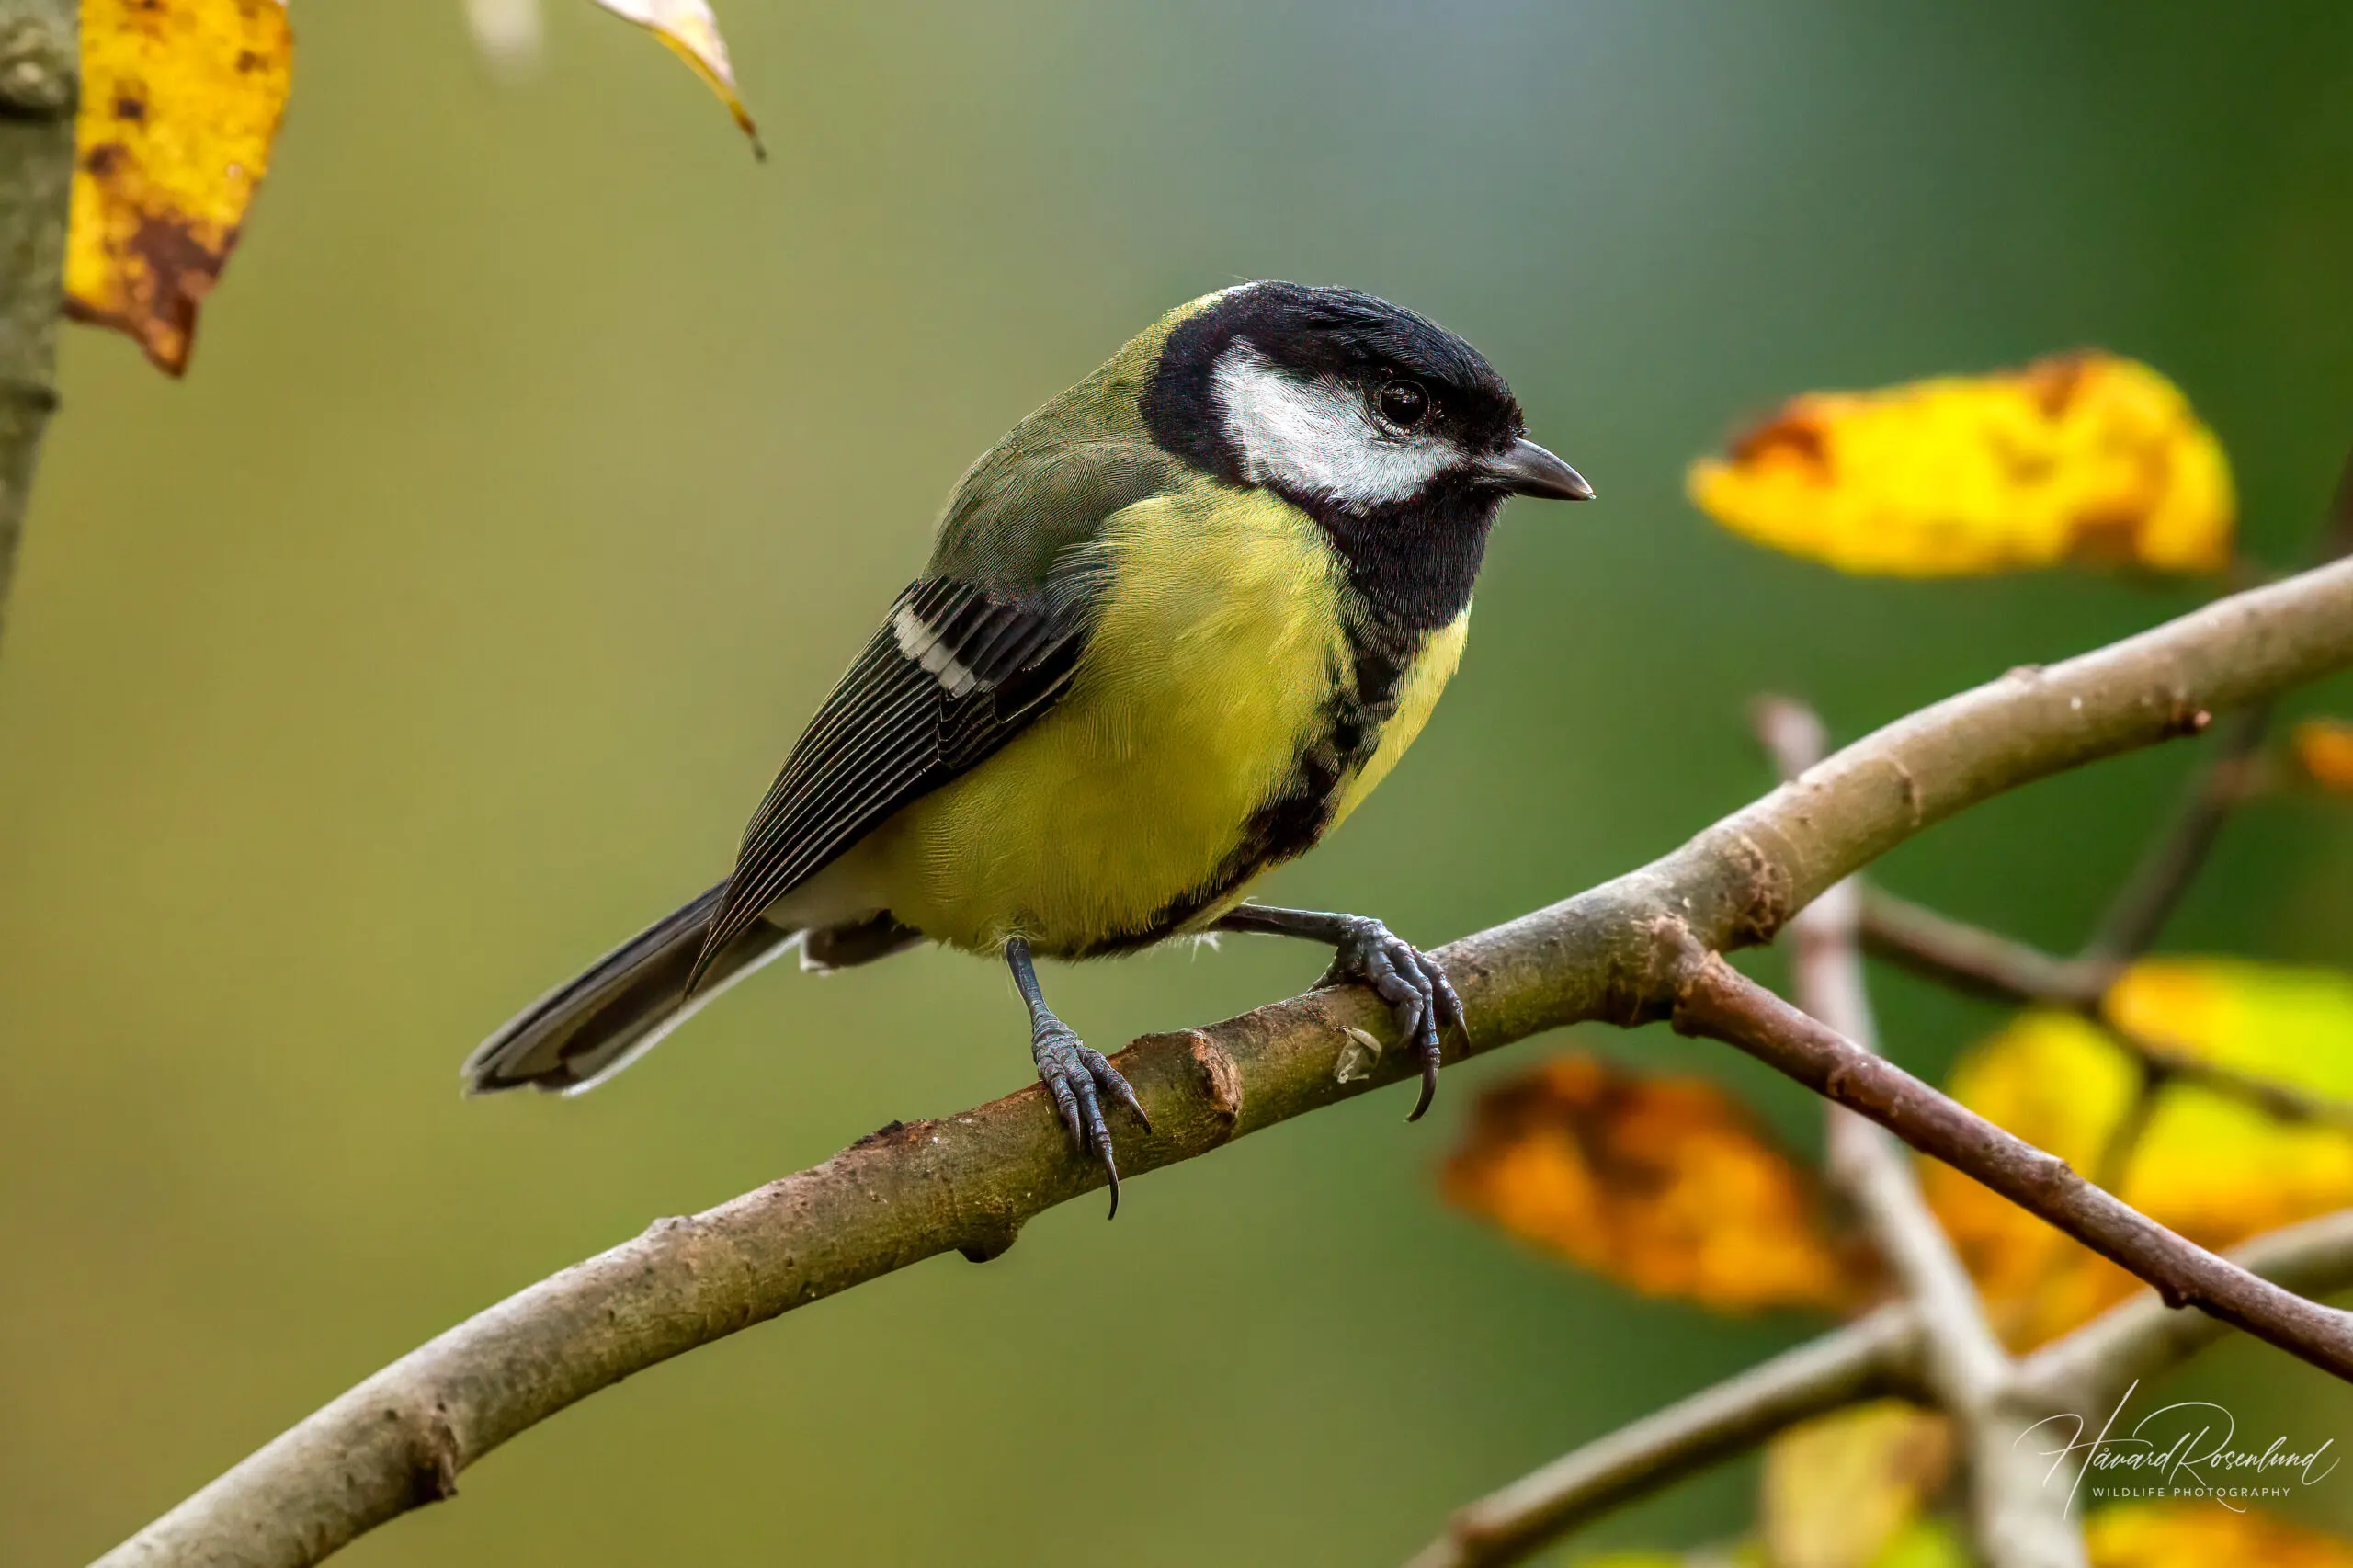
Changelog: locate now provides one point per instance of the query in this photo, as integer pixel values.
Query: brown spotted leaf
(2086, 457)
(2204, 1534)
(1665, 1183)
(180, 101)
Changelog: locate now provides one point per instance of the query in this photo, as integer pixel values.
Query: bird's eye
(1403, 402)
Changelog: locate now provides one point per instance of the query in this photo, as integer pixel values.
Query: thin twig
(2087, 1370)
(2014, 1521)
(1964, 1364)
(1975, 960)
(1985, 963)
(968, 1183)
(2114, 1162)
(2138, 915)
(1870, 1358)
(2083, 1372)
(2284, 1102)
(1719, 1002)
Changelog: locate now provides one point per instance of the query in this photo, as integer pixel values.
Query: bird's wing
(956, 671)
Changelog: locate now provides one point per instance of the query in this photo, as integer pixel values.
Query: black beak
(1526, 469)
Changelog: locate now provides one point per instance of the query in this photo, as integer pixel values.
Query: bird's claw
(1421, 999)
(1077, 1076)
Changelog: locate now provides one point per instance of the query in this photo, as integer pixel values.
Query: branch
(968, 1183)
(1983, 963)
(1977, 961)
(2090, 1369)
(1721, 1003)
(2137, 917)
(40, 49)
(2014, 1520)
(1963, 1364)
(2087, 1371)
(1866, 1361)
(2157, 885)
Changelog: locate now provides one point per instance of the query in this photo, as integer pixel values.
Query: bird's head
(1347, 405)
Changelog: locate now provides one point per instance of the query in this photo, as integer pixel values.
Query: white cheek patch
(1315, 437)
(920, 643)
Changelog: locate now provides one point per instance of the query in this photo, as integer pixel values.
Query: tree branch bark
(1875, 1357)
(2088, 1369)
(1977, 961)
(2085, 1373)
(1619, 953)
(1984, 963)
(2013, 1520)
(1719, 1002)
(39, 54)
(2137, 917)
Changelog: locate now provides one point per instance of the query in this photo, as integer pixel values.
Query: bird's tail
(589, 1029)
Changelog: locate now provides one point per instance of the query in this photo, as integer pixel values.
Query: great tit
(1175, 625)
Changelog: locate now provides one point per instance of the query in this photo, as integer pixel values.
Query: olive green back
(1055, 478)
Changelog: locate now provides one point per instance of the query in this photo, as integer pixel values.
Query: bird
(1175, 625)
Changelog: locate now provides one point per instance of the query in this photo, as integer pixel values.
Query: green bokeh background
(543, 458)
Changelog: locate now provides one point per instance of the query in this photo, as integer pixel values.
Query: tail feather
(588, 1028)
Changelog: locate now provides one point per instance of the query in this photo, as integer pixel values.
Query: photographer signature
(2186, 1450)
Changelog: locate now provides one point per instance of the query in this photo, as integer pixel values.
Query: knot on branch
(432, 1454)
(1221, 1080)
(1764, 889)
(890, 1129)
(1686, 966)
(990, 1240)
(1649, 987)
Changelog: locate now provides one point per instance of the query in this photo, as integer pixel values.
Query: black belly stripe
(1363, 700)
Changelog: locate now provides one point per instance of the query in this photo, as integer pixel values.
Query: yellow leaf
(2323, 750)
(1842, 1489)
(2063, 1086)
(2204, 1534)
(2081, 456)
(1665, 1183)
(1924, 1543)
(2211, 1168)
(692, 32)
(180, 100)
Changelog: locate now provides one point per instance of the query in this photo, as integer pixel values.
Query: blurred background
(543, 460)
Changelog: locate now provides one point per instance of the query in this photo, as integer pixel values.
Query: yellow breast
(1214, 654)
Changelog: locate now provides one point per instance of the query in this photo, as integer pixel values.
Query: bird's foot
(1078, 1076)
(1421, 999)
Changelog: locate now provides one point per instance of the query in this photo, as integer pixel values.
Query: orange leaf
(180, 101)
(2203, 1535)
(2323, 750)
(1840, 1488)
(1665, 1183)
(2081, 456)
(2213, 1168)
